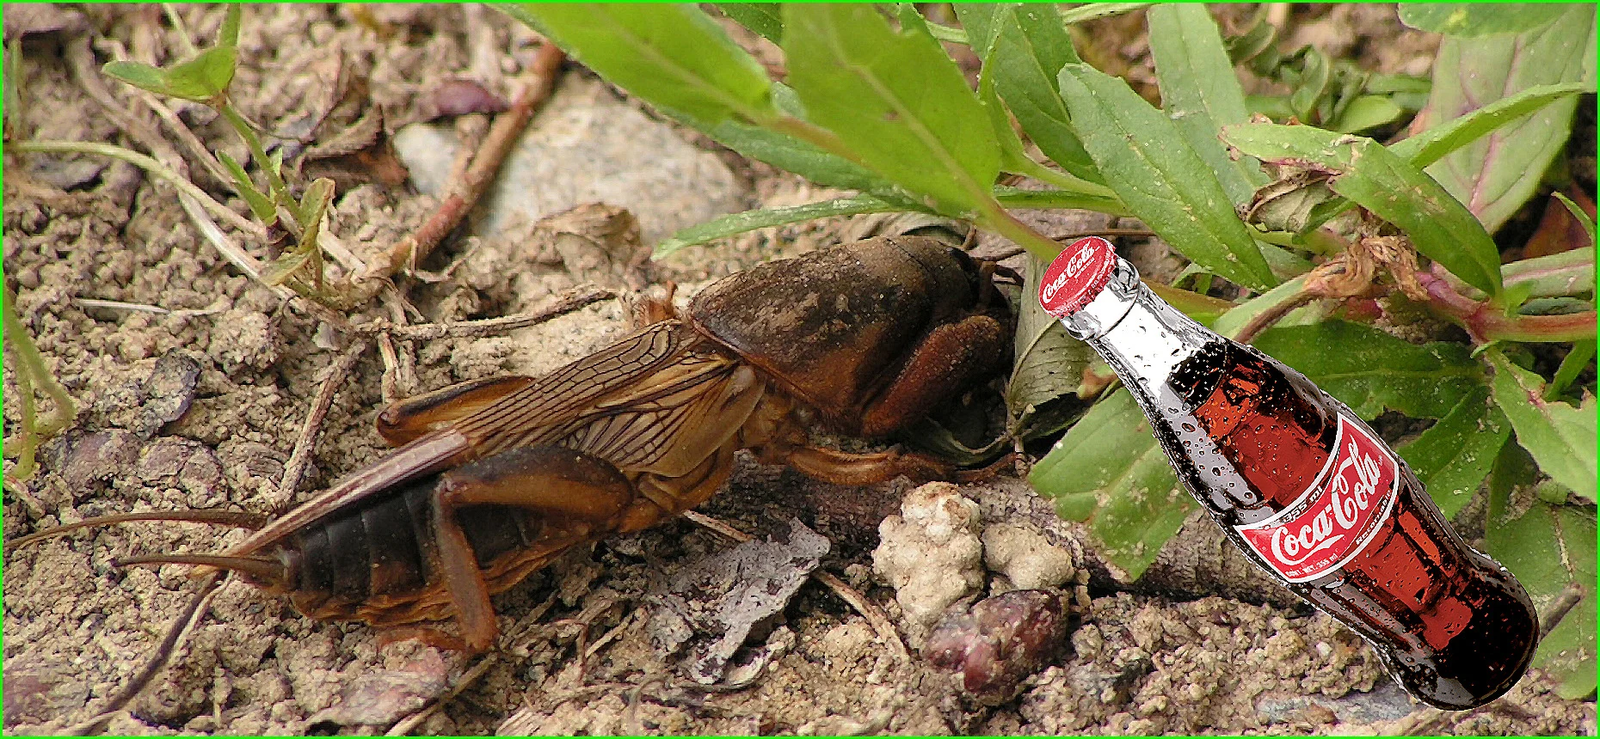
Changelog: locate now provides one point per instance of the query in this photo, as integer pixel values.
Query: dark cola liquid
(1250, 436)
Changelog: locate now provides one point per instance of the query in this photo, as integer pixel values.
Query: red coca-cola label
(1077, 275)
(1338, 516)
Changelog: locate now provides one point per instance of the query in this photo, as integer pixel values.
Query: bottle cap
(1077, 275)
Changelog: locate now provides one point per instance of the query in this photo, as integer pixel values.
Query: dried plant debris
(710, 608)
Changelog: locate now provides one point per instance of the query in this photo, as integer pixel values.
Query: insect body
(494, 478)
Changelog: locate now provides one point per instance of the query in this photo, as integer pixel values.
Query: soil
(194, 397)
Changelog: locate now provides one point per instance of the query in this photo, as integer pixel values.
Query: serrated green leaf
(1150, 166)
(1366, 173)
(672, 56)
(1109, 471)
(1371, 371)
(1470, 21)
(1560, 437)
(259, 203)
(1454, 455)
(1200, 91)
(1049, 363)
(203, 78)
(895, 100)
(750, 220)
(1024, 47)
(1494, 175)
(763, 18)
(140, 75)
(1550, 549)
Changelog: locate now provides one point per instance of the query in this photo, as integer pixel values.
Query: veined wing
(527, 415)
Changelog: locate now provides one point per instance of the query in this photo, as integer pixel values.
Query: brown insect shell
(834, 327)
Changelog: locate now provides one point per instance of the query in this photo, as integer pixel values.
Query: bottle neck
(1142, 337)
(1145, 340)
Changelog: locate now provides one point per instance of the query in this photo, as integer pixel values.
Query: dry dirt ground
(580, 650)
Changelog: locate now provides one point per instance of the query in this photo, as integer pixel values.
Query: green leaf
(1366, 111)
(1049, 363)
(1150, 166)
(1229, 324)
(1109, 471)
(1200, 91)
(802, 158)
(1454, 455)
(1578, 215)
(1576, 360)
(1470, 21)
(260, 204)
(750, 220)
(1433, 144)
(1560, 437)
(672, 56)
(1095, 11)
(1365, 172)
(1371, 371)
(1019, 199)
(228, 35)
(203, 78)
(1023, 48)
(765, 19)
(139, 75)
(1551, 550)
(895, 100)
(1496, 174)
(1013, 158)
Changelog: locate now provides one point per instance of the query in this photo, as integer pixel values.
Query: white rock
(930, 553)
(1025, 557)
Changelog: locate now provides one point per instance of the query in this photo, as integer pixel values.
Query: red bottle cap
(1076, 276)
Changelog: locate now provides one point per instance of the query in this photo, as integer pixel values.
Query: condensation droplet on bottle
(1188, 427)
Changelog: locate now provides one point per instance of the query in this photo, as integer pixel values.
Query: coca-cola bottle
(1308, 491)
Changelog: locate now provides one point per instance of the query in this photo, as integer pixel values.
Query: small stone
(168, 391)
(96, 457)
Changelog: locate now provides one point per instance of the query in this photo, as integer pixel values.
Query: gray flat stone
(586, 146)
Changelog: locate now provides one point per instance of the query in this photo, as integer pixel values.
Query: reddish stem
(1485, 322)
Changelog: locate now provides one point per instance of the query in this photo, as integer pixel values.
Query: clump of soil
(193, 383)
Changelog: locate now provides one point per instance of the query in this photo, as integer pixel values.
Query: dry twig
(300, 459)
(463, 195)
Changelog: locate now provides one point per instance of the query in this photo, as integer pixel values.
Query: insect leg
(408, 419)
(950, 357)
(556, 482)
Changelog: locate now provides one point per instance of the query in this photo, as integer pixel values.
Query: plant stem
(280, 191)
(1484, 322)
(999, 220)
(30, 370)
(149, 165)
